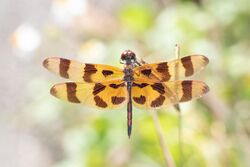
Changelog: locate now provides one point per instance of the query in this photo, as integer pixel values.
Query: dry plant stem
(177, 56)
(180, 138)
(177, 107)
(167, 156)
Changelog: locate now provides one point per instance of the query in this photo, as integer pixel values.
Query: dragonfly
(145, 86)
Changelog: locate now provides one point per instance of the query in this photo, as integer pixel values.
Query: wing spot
(206, 60)
(163, 68)
(188, 65)
(158, 101)
(53, 91)
(100, 102)
(107, 72)
(71, 92)
(205, 89)
(187, 91)
(89, 70)
(98, 88)
(115, 86)
(64, 67)
(142, 85)
(46, 63)
(146, 72)
(140, 100)
(117, 100)
(158, 87)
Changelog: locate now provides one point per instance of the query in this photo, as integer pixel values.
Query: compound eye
(123, 57)
(132, 55)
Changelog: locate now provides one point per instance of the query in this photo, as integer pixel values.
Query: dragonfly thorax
(128, 75)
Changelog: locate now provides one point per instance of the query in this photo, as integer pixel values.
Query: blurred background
(38, 130)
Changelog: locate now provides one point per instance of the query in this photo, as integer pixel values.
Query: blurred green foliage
(136, 17)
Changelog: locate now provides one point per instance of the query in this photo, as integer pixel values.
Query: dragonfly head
(128, 57)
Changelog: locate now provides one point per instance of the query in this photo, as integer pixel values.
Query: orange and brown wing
(107, 95)
(165, 71)
(80, 72)
(161, 94)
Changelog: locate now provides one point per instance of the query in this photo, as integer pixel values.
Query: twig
(180, 138)
(177, 106)
(167, 156)
(177, 56)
